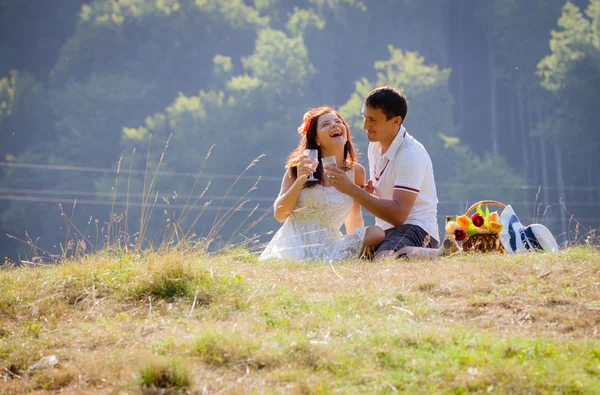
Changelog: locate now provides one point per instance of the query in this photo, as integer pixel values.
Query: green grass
(181, 321)
(164, 375)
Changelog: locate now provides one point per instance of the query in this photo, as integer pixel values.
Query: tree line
(502, 93)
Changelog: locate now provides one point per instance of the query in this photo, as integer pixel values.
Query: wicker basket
(483, 242)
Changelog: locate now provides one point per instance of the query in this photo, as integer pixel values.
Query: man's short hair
(389, 100)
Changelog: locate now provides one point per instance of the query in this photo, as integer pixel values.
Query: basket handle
(484, 202)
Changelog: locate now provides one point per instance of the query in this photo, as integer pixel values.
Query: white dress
(312, 231)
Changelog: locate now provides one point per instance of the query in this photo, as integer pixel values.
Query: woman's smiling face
(331, 131)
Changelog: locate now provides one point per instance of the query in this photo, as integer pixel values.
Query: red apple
(477, 219)
(460, 234)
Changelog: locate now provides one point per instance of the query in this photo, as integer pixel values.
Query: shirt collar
(392, 150)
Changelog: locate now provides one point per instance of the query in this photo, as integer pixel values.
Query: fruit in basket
(495, 227)
(494, 217)
(478, 220)
(463, 221)
(459, 234)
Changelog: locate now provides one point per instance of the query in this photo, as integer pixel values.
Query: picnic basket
(483, 242)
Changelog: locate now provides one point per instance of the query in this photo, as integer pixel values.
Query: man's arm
(408, 179)
(394, 211)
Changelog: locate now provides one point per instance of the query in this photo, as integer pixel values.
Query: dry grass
(182, 322)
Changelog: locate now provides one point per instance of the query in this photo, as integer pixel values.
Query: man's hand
(338, 179)
(369, 187)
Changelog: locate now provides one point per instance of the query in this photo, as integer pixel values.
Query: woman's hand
(305, 168)
(338, 179)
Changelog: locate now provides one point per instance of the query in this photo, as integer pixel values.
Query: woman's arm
(291, 187)
(288, 195)
(354, 220)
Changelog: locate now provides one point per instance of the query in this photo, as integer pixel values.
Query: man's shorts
(406, 235)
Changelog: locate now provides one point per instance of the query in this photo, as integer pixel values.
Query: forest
(152, 121)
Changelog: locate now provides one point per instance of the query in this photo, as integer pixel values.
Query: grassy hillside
(118, 323)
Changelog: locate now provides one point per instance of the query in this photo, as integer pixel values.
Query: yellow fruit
(463, 221)
(495, 227)
(493, 217)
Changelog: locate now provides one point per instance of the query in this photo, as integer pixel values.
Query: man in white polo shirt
(401, 191)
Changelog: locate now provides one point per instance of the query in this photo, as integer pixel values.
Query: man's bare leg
(412, 253)
(385, 254)
(416, 253)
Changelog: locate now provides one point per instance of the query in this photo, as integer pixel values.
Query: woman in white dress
(313, 211)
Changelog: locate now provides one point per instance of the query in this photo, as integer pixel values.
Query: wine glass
(313, 155)
(328, 161)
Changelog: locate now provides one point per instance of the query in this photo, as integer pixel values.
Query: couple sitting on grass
(400, 193)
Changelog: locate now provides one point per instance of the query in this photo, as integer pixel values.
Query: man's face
(377, 126)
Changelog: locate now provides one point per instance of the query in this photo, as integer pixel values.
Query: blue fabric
(531, 239)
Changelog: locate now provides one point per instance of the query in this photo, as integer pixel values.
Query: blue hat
(517, 238)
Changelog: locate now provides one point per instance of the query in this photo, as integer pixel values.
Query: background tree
(571, 74)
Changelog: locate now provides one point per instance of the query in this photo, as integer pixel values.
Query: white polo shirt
(406, 166)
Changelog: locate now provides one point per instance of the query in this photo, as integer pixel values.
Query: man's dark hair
(389, 100)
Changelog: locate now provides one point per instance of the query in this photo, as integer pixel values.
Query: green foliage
(90, 115)
(425, 86)
(566, 44)
(301, 19)
(223, 66)
(219, 350)
(336, 4)
(593, 12)
(24, 115)
(278, 68)
(280, 62)
(478, 176)
(165, 32)
(172, 287)
(518, 47)
(7, 94)
(165, 375)
(572, 74)
(174, 280)
(407, 71)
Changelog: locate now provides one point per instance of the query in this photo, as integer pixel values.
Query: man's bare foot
(416, 253)
(385, 254)
(449, 247)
